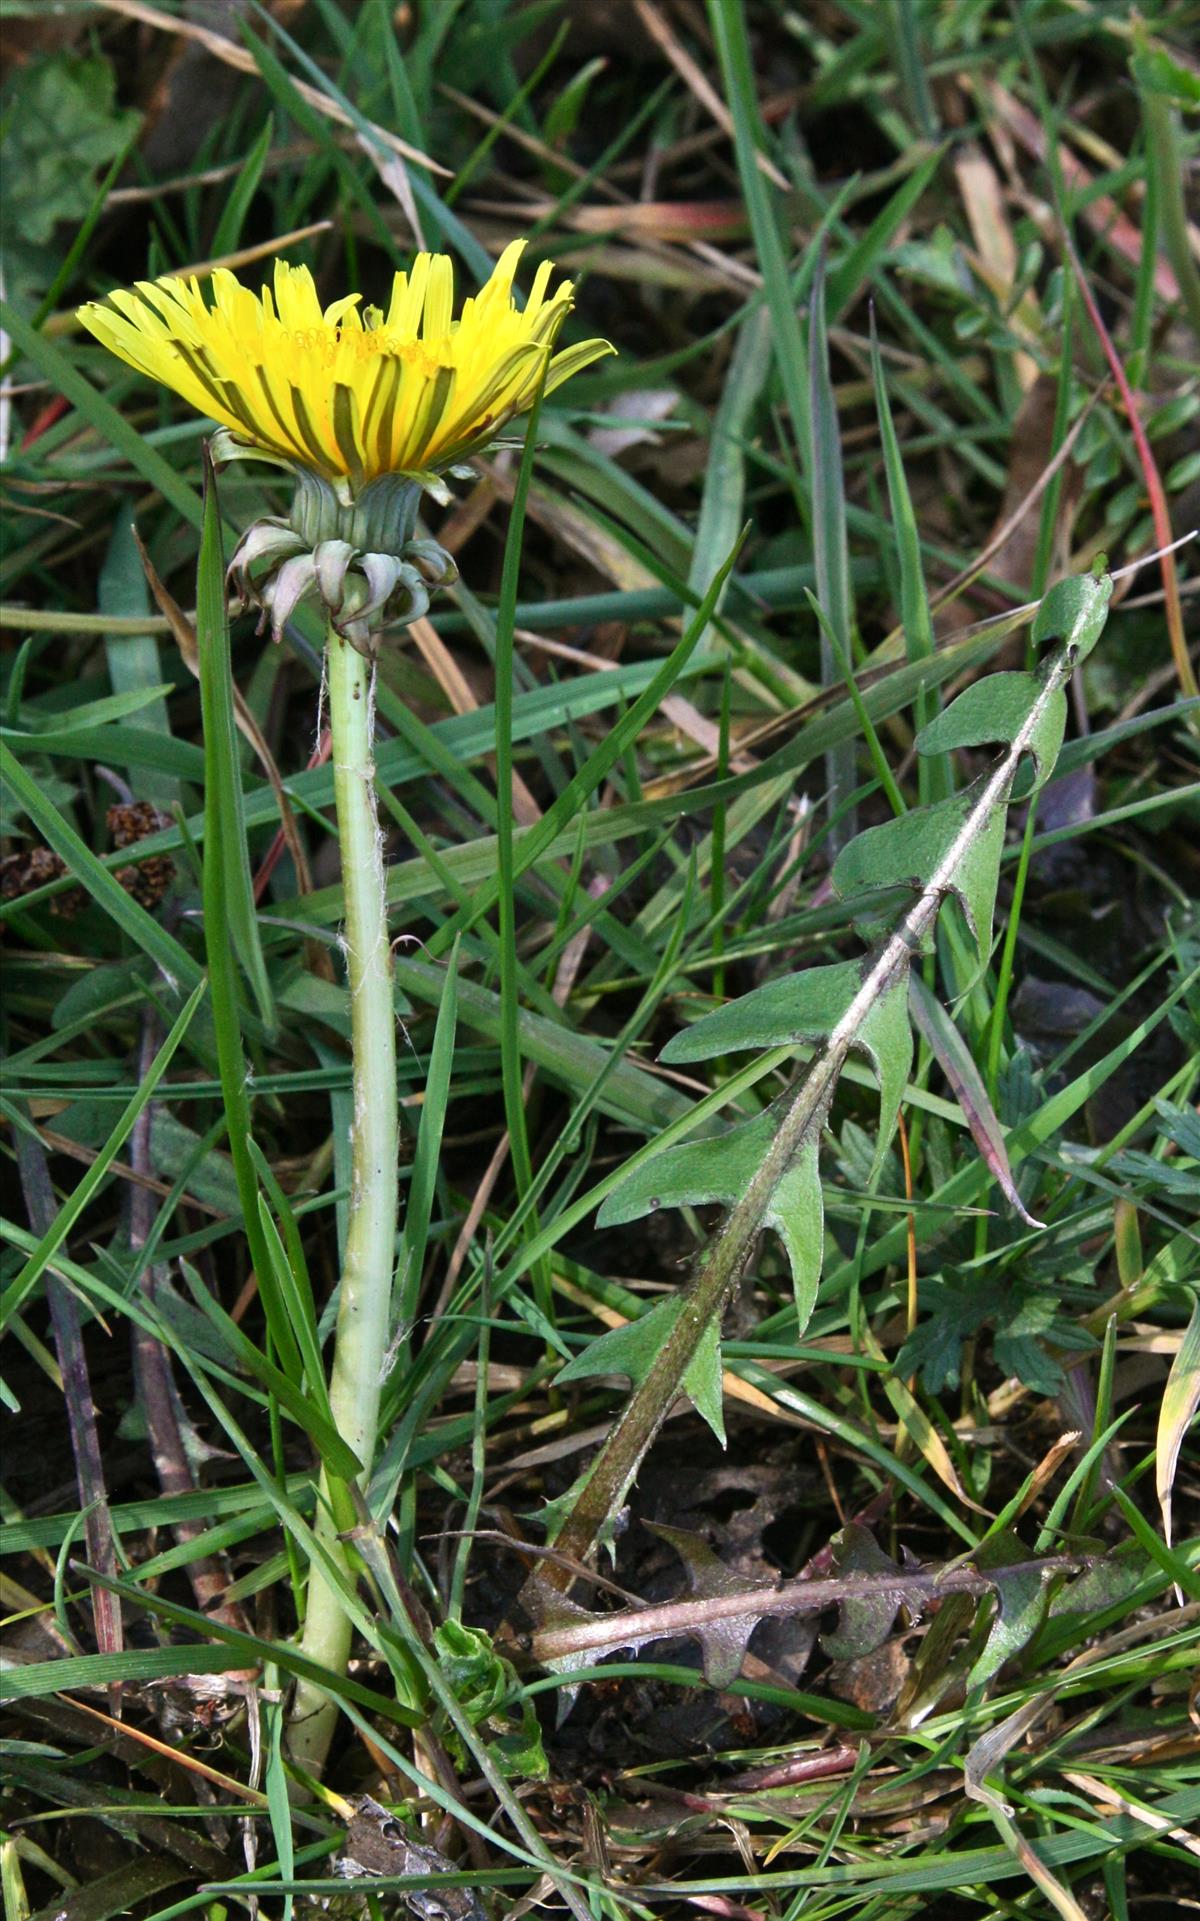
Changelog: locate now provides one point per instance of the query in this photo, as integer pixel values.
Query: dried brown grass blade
(697, 82)
(241, 58)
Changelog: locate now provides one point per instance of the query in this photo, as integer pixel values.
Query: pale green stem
(363, 1322)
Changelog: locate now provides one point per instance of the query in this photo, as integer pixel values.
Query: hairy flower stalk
(365, 408)
(364, 1307)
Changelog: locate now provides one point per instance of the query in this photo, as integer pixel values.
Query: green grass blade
(228, 236)
(222, 771)
(1177, 1414)
(309, 1416)
(728, 25)
(57, 367)
(935, 779)
(133, 660)
(864, 257)
(71, 1210)
(722, 502)
(224, 855)
(830, 547)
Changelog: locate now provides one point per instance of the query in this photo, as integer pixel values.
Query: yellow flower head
(343, 392)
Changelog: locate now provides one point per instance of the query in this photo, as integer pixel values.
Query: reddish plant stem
(1154, 487)
(633, 1626)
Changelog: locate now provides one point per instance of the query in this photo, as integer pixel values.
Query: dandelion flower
(347, 392)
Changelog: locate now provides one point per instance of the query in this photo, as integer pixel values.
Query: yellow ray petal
(343, 390)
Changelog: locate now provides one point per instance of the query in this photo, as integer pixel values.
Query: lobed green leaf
(995, 709)
(1074, 611)
(930, 848)
(697, 1173)
(633, 1349)
(807, 1007)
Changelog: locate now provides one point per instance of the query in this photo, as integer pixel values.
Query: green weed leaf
(995, 709)
(864, 1621)
(697, 1173)
(808, 1007)
(632, 1350)
(486, 1688)
(1181, 1398)
(1074, 612)
(1156, 71)
(723, 1643)
(61, 124)
(766, 1170)
(226, 846)
(930, 849)
(1020, 1605)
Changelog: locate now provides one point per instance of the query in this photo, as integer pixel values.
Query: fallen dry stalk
(635, 1626)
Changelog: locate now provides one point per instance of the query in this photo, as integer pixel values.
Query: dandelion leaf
(797, 1214)
(693, 1173)
(723, 1643)
(1074, 612)
(958, 1064)
(549, 1609)
(554, 1513)
(994, 711)
(720, 1169)
(799, 1007)
(938, 846)
(633, 1349)
(1021, 1604)
(864, 1620)
(808, 1007)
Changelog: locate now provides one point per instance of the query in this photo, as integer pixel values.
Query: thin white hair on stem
(321, 690)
